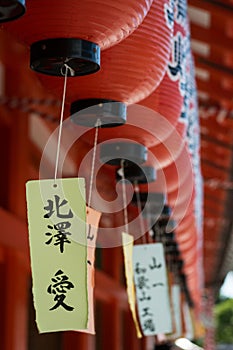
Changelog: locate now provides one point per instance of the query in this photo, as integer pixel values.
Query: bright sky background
(227, 287)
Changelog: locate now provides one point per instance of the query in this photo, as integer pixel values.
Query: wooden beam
(4, 174)
(216, 93)
(16, 302)
(214, 88)
(112, 262)
(78, 341)
(112, 331)
(18, 169)
(212, 37)
(40, 134)
(213, 162)
(223, 140)
(220, 161)
(214, 194)
(217, 16)
(213, 53)
(210, 171)
(14, 233)
(130, 341)
(108, 290)
(216, 72)
(218, 150)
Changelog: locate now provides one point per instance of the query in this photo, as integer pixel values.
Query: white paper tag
(189, 331)
(177, 310)
(152, 292)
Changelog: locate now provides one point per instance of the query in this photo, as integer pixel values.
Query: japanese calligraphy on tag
(93, 218)
(152, 289)
(127, 241)
(57, 214)
(177, 310)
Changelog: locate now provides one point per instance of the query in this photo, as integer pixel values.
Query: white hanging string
(126, 221)
(61, 122)
(98, 123)
(142, 227)
(149, 220)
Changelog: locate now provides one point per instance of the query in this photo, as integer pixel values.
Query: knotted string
(142, 227)
(67, 68)
(126, 221)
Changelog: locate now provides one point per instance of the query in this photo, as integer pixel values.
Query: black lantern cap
(154, 199)
(151, 203)
(108, 113)
(184, 287)
(50, 56)
(135, 173)
(163, 346)
(166, 211)
(170, 236)
(173, 248)
(113, 153)
(180, 264)
(11, 10)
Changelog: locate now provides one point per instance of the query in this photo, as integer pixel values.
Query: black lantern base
(137, 174)
(155, 199)
(108, 113)
(50, 56)
(11, 10)
(114, 153)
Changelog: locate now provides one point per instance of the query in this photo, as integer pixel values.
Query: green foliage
(224, 321)
(199, 342)
(221, 298)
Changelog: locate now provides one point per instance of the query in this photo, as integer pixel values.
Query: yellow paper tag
(128, 258)
(93, 218)
(59, 264)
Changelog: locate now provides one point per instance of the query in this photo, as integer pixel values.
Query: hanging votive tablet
(58, 250)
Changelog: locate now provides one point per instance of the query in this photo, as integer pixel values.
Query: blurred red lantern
(177, 172)
(187, 222)
(130, 71)
(75, 27)
(166, 152)
(167, 99)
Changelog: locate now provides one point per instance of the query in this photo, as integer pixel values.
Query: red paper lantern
(179, 213)
(166, 152)
(181, 195)
(102, 22)
(72, 32)
(187, 222)
(189, 244)
(177, 172)
(167, 99)
(183, 205)
(185, 236)
(130, 71)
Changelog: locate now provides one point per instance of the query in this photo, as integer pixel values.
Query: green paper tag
(58, 249)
